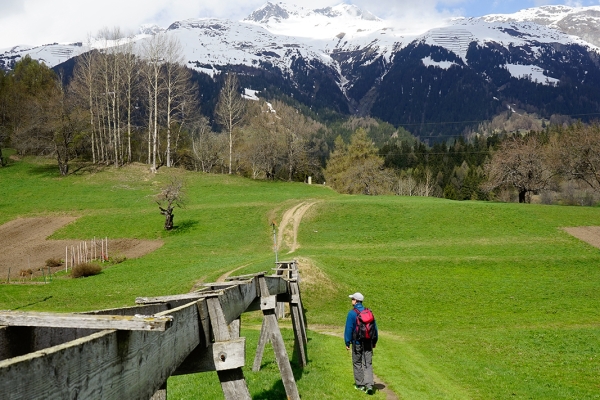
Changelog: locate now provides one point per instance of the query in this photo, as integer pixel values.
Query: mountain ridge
(348, 60)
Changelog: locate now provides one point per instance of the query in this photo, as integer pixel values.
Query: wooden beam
(54, 320)
(219, 356)
(178, 297)
(108, 364)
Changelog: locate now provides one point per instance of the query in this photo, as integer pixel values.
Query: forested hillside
(116, 108)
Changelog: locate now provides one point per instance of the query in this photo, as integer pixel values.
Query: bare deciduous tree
(170, 196)
(520, 162)
(576, 153)
(208, 147)
(230, 110)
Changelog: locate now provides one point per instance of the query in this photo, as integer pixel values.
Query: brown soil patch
(589, 234)
(24, 245)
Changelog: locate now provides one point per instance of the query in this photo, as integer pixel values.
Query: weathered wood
(244, 277)
(55, 320)
(105, 365)
(283, 361)
(179, 297)
(274, 335)
(235, 328)
(219, 356)
(233, 382)
(204, 316)
(297, 315)
(235, 300)
(268, 303)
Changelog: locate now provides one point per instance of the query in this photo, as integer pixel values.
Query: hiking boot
(370, 390)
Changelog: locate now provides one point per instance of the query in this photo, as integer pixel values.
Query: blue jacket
(351, 325)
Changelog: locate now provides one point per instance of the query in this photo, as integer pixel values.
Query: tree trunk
(169, 221)
(522, 196)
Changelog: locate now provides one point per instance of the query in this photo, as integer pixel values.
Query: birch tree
(230, 110)
(153, 53)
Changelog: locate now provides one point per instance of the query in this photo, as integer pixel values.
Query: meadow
(474, 300)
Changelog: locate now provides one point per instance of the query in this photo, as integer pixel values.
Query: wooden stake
(233, 381)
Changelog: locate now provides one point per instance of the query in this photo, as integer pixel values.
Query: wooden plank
(245, 277)
(276, 284)
(105, 365)
(179, 297)
(235, 300)
(54, 320)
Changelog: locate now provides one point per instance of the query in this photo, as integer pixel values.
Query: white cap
(357, 296)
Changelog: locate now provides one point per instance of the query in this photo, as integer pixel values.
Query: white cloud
(41, 21)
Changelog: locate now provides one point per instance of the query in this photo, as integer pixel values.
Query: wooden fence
(129, 353)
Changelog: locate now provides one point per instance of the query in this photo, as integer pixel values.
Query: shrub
(85, 269)
(26, 272)
(53, 263)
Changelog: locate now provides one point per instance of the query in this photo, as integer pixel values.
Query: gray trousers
(362, 363)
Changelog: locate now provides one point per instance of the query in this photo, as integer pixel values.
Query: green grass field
(473, 300)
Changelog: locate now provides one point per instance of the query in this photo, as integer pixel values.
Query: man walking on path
(362, 347)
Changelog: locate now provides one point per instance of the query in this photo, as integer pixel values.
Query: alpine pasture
(474, 300)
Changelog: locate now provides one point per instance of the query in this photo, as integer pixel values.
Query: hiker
(363, 338)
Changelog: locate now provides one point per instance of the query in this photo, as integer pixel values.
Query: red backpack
(365, 325)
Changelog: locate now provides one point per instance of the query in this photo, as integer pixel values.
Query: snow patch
(531, 72)
(428, 62)
(250, 94)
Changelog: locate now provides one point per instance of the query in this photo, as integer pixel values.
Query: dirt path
(589, 234)
(23, 244)
(288, 228)
(226, 275)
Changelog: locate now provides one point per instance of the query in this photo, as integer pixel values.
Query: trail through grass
(474, 300)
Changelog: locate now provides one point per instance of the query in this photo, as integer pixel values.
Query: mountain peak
(268, 11)
(346, 9)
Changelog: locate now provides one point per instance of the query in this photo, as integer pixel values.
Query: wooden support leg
(233, 382)
(273, 332)
(283, 362)
(262, 341)
(300, 339)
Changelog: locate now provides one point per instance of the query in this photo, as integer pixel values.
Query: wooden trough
(129, 353)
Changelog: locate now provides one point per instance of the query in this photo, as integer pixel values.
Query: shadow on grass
(45, 170)
(34, 303)
(277, 391)
(184, 226)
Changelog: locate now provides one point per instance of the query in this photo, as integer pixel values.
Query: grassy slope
(474, 300)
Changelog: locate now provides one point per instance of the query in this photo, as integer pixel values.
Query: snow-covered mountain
(583, 22)
(349, 60)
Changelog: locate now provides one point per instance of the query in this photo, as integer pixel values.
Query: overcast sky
(36, 22)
